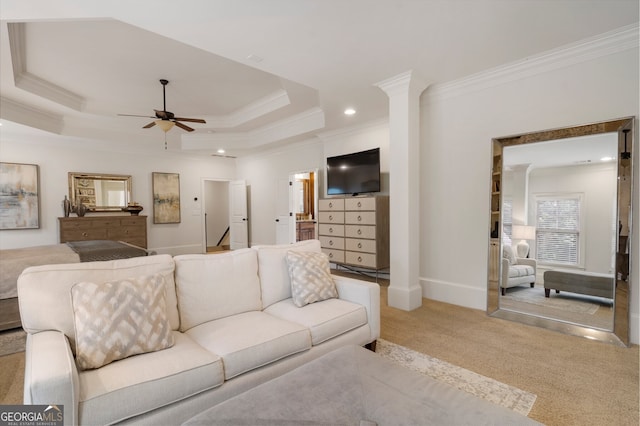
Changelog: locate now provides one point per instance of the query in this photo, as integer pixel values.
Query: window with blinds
(558, 229)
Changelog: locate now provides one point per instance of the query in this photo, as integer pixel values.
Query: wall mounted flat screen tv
(355, 173)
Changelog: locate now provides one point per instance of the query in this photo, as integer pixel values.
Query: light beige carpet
(577, 381)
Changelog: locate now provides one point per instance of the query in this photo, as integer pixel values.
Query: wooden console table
(130, 229)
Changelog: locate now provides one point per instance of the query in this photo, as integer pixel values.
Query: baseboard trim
(454, 293)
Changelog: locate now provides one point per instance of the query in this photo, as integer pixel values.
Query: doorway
(216, 216)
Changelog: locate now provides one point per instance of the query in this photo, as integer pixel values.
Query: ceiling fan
(166, 119)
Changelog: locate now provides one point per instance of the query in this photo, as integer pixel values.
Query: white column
(404, 92)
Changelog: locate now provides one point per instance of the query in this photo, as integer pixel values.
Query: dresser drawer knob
(359, 231)
(359, 258)
(359, 218)
(330, 217)
(330, 204)
(359, 245)
(359, 204)
(330, 242)
(330, 255)
(331, 230)
(84, 234)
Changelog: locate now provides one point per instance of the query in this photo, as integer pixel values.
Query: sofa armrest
(50, 373)
(527, 261)
(505, 273)
(363, 293)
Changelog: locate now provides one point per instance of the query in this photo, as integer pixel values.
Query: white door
(239, 227)
(285, 224)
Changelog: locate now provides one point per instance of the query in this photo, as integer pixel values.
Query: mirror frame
(74, 177)
(621, 315)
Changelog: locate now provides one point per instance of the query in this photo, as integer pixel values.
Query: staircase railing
(223, 236)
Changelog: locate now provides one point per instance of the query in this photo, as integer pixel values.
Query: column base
(405, 298)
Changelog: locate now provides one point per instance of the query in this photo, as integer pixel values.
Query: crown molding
(256, 109)
(346, 132)
(401, 83)
(31, 83)
(299, 124)
(30, 116)
(296, 125)
(609, 43)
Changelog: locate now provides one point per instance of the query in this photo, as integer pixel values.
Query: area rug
(566, 303)
(481, 386)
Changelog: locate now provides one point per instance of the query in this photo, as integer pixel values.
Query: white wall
(457, 126)
(56, 158)
(263, 173)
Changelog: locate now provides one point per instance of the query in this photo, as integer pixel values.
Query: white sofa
(233, 322)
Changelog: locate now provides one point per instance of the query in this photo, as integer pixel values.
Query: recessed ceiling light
(349, 111)
(221, 151)
(606, 159)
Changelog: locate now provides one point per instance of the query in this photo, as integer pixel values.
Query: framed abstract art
(19, 196)
(166, 197)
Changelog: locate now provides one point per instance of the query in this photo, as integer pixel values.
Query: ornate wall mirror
(100, 192)
(560, 230)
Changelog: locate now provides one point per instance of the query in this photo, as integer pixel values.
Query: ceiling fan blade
(190, 120)
(183, 127)
(134, 115)
(163, 115)
(153, 123)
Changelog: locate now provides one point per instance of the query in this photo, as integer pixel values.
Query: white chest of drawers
(355, 231)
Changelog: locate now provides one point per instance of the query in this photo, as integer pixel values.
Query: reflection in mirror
(560, 220)
(100, 192)
(304, 195)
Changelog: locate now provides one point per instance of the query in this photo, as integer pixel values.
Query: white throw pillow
(310, 277)
(118, 319)
(507, 253)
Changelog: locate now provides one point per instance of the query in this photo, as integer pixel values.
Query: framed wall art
(166, 197)
(19, 196)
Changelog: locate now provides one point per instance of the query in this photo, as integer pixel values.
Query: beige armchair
(516, 270)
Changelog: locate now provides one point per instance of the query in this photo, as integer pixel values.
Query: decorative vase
(81, 210)
(133, 208)
(66, 206)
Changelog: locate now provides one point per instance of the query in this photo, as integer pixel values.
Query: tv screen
(354, 173)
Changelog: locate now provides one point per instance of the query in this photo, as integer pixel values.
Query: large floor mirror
(560, 230)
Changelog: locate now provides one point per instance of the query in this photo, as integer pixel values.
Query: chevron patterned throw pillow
(310, 276)
(118, 319)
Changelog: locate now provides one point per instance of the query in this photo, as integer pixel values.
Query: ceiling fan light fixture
(165, 125)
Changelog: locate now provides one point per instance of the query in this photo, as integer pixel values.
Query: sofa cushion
(43, 291)
(250, 340)
(213, 286)
(310, 277)
(118, 319)
(520, 271)
(325, 320)
(273, 270)
(142, 383)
